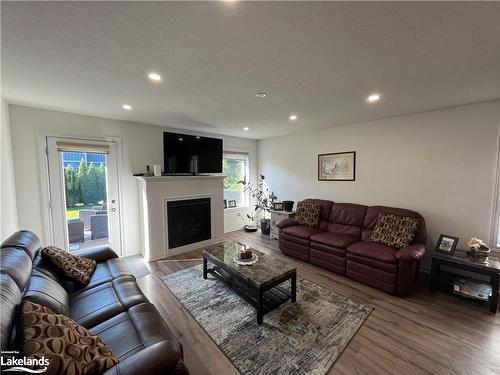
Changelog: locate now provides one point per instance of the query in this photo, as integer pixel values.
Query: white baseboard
(227, 230)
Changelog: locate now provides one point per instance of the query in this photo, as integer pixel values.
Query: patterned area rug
(305, 337)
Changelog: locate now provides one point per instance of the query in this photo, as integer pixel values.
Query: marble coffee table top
(267, 269)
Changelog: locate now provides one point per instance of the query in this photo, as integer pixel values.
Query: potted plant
(264, 199)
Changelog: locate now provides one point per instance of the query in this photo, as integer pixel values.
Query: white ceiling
(319, 60)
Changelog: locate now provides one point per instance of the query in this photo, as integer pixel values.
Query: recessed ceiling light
(261, 94)
(155, 77)
(246, 128)
(373, 98)
(293, 117)
(181, 139)
(127, 107)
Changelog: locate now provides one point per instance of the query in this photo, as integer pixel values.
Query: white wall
(141, 145)
(8, 210)
(440, 163)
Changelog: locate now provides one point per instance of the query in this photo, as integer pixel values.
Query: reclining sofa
(111, 306)
(342, 244)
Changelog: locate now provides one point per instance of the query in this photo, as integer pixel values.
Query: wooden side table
(461, 261)
(276, 217)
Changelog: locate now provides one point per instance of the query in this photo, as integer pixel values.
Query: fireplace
(157, 194)
(188, 221)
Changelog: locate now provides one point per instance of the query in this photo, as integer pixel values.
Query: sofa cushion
(333, 239)
(10, 297)
(45, 291)
(348, 214)
(393, 230)
(90, 307)
(135, 329)
(104, 272)
(69, 347)
(24, 240)
(74, 267)
(17, 264)
(349, 230)
(301, 231)
(373, 250)
(308, 214)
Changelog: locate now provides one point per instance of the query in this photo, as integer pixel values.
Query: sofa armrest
(98, 253)
(286, 223)
(411, 253)
(160, 358)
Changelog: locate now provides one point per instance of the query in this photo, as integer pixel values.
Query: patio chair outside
(85, 217)
(76, 231)
(99, 226)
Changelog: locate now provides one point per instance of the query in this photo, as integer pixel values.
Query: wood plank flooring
(425, 333)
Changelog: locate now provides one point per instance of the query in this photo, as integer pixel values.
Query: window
(235, 167)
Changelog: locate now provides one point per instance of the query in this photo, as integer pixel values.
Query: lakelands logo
(12, 363)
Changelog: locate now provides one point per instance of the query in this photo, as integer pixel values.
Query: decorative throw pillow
(69, 347)
(77, 268)
(308, 214)
(395, 231)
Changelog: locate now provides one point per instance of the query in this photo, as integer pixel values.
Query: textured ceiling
(318, 60)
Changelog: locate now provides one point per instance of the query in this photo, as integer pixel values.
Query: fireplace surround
(155, 195)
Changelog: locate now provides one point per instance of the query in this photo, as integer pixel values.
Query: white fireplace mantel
(155, 192)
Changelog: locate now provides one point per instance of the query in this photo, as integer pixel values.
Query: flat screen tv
(191, 154)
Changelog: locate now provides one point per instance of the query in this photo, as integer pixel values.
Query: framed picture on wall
(339, 166)
(446, 244)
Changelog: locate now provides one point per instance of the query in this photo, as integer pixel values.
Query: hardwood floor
(425, 333)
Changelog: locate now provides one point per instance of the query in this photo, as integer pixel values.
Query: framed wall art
(339, 166)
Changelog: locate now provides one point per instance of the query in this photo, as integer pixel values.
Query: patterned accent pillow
(395, 231)
(69, 347)
(77, 268)
(308, 214)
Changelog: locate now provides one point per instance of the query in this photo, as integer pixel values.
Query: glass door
(83, 179)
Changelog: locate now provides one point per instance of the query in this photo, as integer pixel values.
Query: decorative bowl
(245, 262)
(250, 228)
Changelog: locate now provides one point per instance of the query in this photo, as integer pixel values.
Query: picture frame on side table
(278, 206)
(446, 244)
(231, 203)
(225, 203)
(338, 166)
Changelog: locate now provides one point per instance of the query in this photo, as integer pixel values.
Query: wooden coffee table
(259, 283)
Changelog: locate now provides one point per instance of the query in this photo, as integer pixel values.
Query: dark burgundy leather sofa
(342, 244)
(111, 306)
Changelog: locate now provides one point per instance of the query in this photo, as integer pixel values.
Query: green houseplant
(264, 199)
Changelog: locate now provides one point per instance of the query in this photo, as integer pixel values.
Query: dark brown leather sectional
(342, 244)
(111, 305)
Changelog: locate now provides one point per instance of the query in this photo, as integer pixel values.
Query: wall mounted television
(191, 154)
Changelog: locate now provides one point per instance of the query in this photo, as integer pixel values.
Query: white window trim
(495, 222)
(247, 173)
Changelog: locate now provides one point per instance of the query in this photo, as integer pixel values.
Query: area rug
(306, 337)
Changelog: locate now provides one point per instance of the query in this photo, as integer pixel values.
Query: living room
(349, 150)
